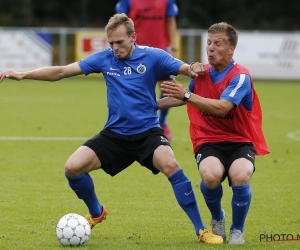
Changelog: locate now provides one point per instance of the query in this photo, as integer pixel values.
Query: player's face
(219, 51)
(121, 43)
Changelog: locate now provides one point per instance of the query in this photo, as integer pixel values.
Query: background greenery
(244, 14)
(143, 212)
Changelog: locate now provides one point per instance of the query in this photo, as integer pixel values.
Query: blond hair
(120, 19)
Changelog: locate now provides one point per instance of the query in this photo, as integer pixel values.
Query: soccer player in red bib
(225, 127)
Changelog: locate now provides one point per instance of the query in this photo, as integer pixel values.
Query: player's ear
(133, 37)
(231, 49)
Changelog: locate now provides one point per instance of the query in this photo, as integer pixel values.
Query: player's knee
(169, 167)
(210, 179)
(68, 169)
(211, 182)
(240, 179)
(71, 169)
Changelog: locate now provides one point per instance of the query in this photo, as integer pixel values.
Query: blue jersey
(131, 84)
(238, 91)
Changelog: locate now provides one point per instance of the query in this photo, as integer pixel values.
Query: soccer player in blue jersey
(132, 132)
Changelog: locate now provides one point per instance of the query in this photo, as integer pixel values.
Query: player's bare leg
(83, 161)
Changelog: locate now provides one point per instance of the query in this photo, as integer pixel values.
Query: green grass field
(43, 123)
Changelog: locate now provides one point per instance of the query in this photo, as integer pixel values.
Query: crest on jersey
(141, 68)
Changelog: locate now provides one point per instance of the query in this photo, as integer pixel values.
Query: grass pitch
(43, 123)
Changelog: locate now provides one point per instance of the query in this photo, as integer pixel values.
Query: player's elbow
(220, 111)
(52, 74)
(223, 108)
(61, 72)
(222, 114)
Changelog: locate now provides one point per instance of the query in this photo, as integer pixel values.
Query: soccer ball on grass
(73, 230)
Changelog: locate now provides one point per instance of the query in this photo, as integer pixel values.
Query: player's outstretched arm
(174, 90)
(168, 102)
(52, 73)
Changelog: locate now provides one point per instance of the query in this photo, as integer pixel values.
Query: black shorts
(166, 78)
(116, 152)
(227, 153)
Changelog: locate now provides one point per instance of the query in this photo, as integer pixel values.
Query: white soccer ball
(73, 230)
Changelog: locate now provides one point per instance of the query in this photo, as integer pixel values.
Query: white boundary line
(19, 138)
(294, 135)
(31, 138)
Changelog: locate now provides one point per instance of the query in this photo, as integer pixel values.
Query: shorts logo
(250, 156)
(163, 139)
(141, 69)
(198, 157)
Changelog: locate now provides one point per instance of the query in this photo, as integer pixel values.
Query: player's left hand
(173, 89)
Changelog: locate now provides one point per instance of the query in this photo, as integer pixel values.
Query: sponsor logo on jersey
(225, 117)
(112, 74)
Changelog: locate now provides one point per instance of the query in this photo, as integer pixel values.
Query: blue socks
(186, 198)
(83, 187)
(241, 200)
(212, 197)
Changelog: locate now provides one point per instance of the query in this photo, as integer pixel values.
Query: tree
(243, 14)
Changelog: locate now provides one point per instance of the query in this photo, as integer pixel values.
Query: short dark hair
(231, 32)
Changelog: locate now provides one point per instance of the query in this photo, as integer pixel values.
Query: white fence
(267, 55)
